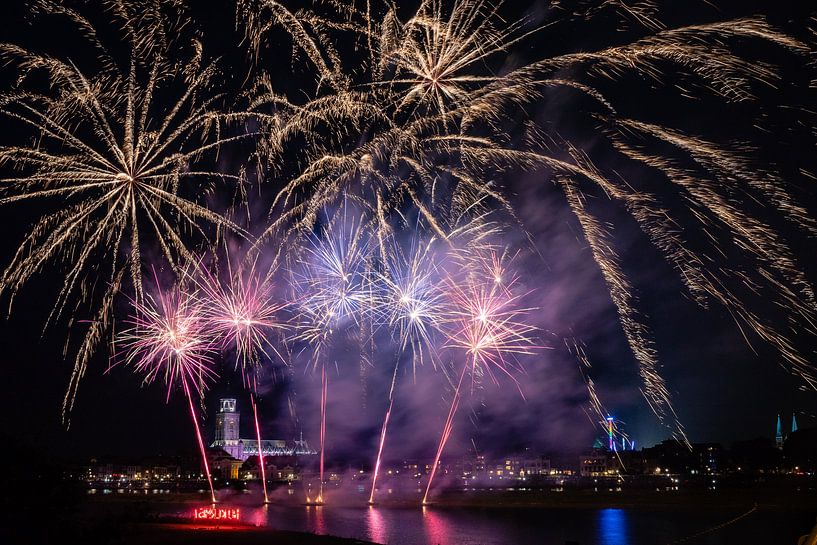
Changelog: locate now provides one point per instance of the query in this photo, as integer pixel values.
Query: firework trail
(485, 323)
(446, 433)
(411, 306)
(334, 289)
(260, 450)
(169, 339)
(242, 313)
(383, 430)
(324, 395)
(113, 169)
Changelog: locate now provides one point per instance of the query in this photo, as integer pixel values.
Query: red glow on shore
(217, 513)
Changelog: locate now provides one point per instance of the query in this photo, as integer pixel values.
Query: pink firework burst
(241, 313)
(169, 338)
(485, 320)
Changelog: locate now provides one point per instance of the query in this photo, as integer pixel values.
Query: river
(534, 526)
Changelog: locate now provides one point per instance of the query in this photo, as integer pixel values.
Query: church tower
(227, 430)
(227, 422)
(778, 437)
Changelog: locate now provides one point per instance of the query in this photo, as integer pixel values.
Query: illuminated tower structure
(778, 437)
(228, 437)
(793, 422)
(611, 441)
(227, 429)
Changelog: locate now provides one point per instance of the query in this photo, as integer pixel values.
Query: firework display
(168, 339)
(381, 182)
(422, 127)
(485, 321)
(243, 314)
(115, 159)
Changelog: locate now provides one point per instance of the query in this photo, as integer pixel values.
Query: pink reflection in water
(436, 528)
(376, 529)
(259, 516)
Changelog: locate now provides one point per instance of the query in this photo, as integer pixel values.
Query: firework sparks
(411, 303)
(335, 282)
(116, 165)
(486, 323)
(242, 313)
(421, 123)
(169, 339)
(440, 47)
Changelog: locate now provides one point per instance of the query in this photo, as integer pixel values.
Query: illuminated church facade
(228, 437)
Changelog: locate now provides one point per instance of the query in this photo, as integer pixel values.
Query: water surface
(530, 526)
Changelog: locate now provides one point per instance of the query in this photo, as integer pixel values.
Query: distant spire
(778, 437)
(793, 422)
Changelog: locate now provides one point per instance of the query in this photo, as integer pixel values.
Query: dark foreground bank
(181, 534)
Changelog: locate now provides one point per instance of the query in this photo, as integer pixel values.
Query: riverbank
(723, 498)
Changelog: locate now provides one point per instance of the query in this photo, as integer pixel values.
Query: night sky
(723, 389)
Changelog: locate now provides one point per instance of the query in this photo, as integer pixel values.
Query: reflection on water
(257, 517)
(436, 528)
(451, 526)
(315, 519)
(613, 527)
(438, 525)
(376, 525)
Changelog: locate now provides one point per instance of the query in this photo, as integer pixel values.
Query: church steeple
(793, 423)
(778, 437)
